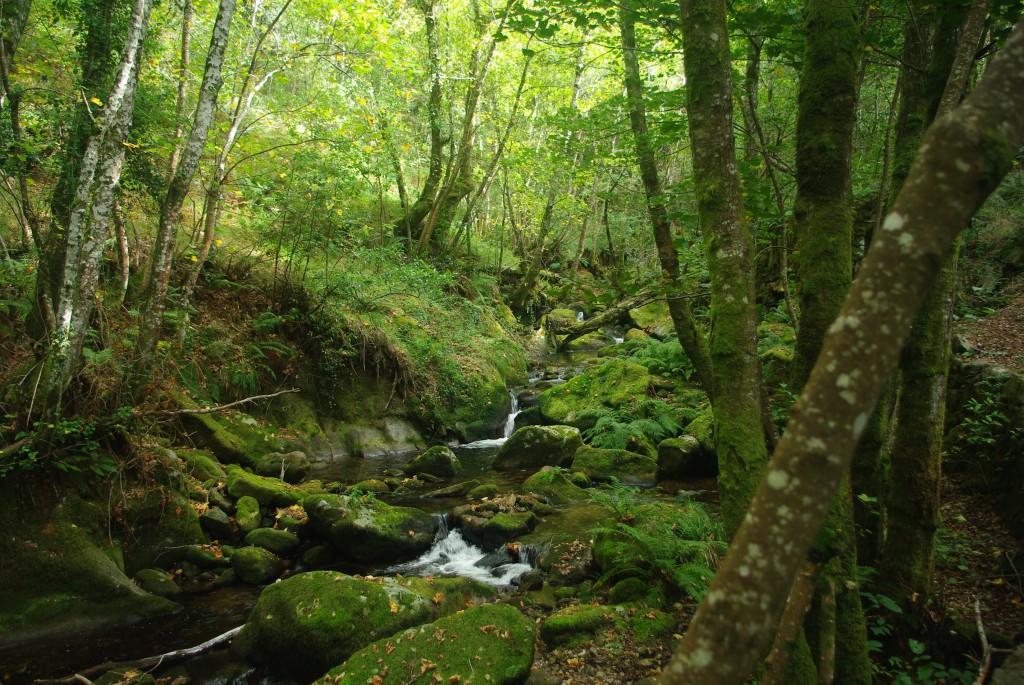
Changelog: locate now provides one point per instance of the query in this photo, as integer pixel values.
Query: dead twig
(213, 410)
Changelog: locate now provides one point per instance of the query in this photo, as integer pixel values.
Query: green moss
(653, 626)
(555, 486)
(311, 622)
(628, 590)
(576, 624)
(162, 522)
(703, 428)
(296, 413)
(271, 492)
(485, 491)
(247, 514)
(615, 383)
(439, 460)
(605, 465)
(255, 565)
(535, 446)
(280, 542)
(201, 465)
(491, 643)
(366, 529)
(372, 486)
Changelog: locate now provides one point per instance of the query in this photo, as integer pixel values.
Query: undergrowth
(680, 544)
(652, 418)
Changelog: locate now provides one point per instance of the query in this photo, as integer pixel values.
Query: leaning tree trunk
(963, 157)
(736, 384)
(100, 171)
(154, 294)
(690, 337)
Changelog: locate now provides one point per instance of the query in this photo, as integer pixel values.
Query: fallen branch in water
(151, 662)
(213, 410)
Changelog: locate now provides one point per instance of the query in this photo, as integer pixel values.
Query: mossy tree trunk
(823, 222)
(963, 158)
(908, 558)
(736, 383)
(690, 337)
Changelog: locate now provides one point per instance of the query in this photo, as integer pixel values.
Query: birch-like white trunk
(90, 216)
(154, 297)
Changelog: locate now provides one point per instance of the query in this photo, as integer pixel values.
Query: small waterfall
(510, 422)
(579, 316)
(451, 555)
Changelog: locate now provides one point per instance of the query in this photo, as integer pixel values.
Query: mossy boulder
(255, 565)
(55, 576)
(201, 465)
(485, 491)
(653, 626)
(554, 485)
(439, 460)
(217, 524)
(536, 446)
(311, 622)
(684, 457)
(371, 486)
(491, 644)
(576, 624)
(269, 492)
(157, 582)
(279, 542)
(491, 533)
(162, 522)
(777, 362)
(628, 590)
(559, 320)
(403, 436)
(654, 318)
(366, 529)
(614, 383)
(247, 514)
(297, 413)
(125, 675)
(703, 428)
(291, 467)
(603, 465)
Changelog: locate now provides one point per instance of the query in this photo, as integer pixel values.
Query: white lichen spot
(843, 381)
(893, 222)
(754, 550)
(744, 571)
(815, 444)
(777, 479)
(701, 657)
(963, 166)
(849, 396)
(714, 597)
(713, 36)
(783, 512)
(906, 240)
(859, 424)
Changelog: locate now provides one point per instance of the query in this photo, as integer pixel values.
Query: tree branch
(213, 410)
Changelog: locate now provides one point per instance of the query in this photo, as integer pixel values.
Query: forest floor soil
(999, 338)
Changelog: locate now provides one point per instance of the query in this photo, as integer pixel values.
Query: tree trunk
(154, 297)
(690, 337)
(963, 158)
(908, 559)
(100, 171)
(736, 369)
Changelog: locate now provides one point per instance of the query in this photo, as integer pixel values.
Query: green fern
(679, 544)
(613, 428)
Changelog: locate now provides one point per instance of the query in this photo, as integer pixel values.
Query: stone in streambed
(536, 446)
(439, 460)
(290, 467)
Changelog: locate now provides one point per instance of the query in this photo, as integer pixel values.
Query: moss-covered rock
(486, 644)
(703, 428)
(684, 457)
(247, 514)
(280, 542)
(157, 582)
(255, 565)
(653, 626)
(628, 590)
(491, 533)
(366, 529)
(371, 486)
(485, 491)
(559, 320)
(576, 623)
(162, 523)
(55, 577)
(291, 467)
(201, 465)
(439, 460)
(402, 435)
(216, 523)
(603, 465)
(535, 446)
(296, 413)
(125, 675)
(613, 384)
(311, 622)
(655, 319)
(554, 485)
(269, 492)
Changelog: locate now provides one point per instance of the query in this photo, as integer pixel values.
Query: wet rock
(485, 491)
(374, 486)
(267, 491)
(492, 533)
(555, 486)
(457, 490)
(366, 529)
(291, 467)
(157, 582)
(536, 446)
(255, 565)
(404, 437)
(220, 500)
(581, 400)
(576, 624)
(216, 523)
(439, 460)
(684, 457)
(125, 675)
